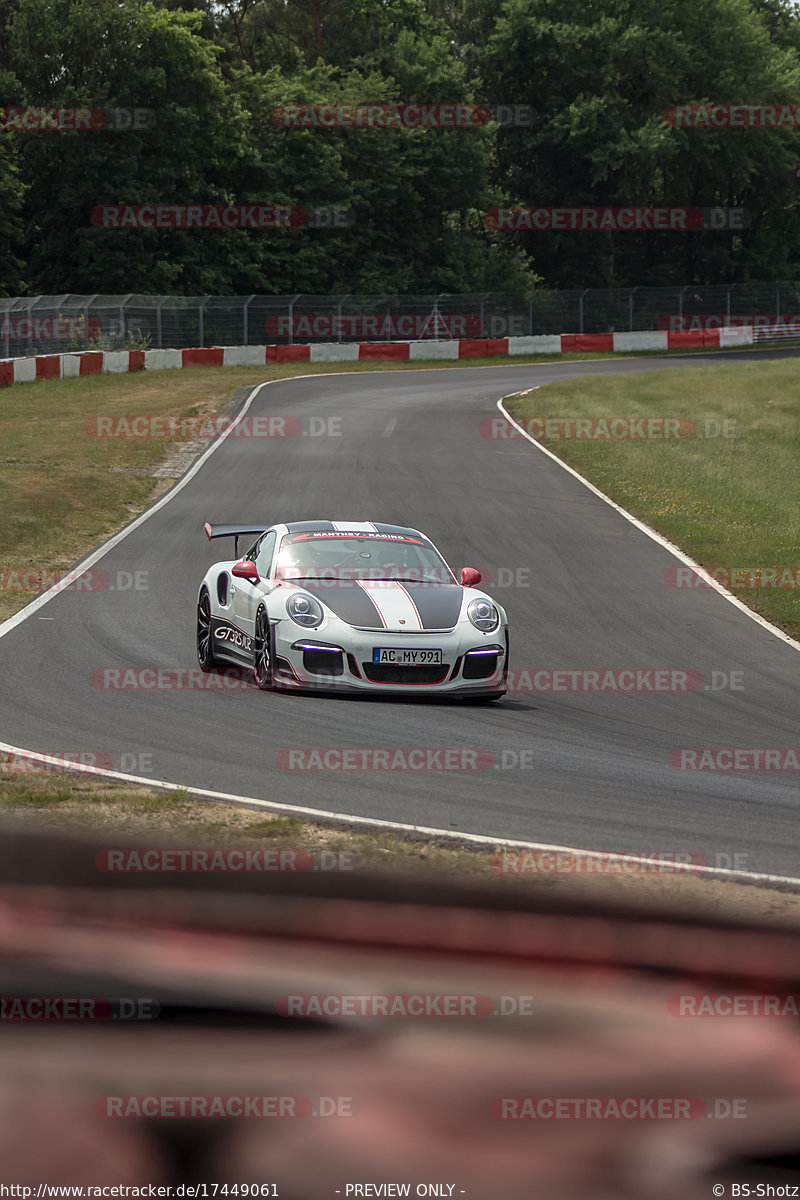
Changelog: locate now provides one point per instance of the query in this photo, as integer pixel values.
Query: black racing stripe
(349, 601)
(438, 605)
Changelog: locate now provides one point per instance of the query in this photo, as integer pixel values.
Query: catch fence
(52, 324)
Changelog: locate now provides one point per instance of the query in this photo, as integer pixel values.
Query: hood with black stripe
(380, 605)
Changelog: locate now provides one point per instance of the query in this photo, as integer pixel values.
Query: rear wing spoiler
(234, 531)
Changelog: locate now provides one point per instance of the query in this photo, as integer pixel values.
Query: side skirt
(230, 642)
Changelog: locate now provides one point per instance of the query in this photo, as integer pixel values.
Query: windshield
(341, 558)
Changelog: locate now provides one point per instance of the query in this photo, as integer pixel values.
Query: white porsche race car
(350, 606)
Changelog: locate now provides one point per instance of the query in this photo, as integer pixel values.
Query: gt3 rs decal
(230, 637)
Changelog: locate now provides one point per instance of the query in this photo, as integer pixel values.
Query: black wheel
(205, 651)
(263, 666)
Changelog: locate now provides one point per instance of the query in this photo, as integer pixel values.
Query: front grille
(479, 666)
(323, 662)
(398, 673)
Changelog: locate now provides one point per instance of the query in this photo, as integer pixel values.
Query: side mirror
(245, 569)
(470, 577)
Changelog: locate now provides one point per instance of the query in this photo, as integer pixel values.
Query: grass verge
(150, 819)
(726, 495)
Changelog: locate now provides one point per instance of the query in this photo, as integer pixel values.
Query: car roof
(351, 527)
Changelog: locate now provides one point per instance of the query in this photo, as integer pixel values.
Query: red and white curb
(112, 362)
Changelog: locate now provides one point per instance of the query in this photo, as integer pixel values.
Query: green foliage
(599, 76)
(601, 79)
(82, 339)
(12, 192)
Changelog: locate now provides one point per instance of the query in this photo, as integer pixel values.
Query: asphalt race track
(411, 452)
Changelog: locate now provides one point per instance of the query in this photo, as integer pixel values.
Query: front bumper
(472, 664)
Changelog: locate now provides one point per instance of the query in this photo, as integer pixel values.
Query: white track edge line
(730, 874)
(651, 533)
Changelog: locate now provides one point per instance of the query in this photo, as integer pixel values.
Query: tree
(601, 78)
(11, 199)
(97, 53)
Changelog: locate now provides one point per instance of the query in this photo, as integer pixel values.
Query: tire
(263, 664)
(205, 650)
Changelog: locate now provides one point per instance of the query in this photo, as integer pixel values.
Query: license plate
(406, 657)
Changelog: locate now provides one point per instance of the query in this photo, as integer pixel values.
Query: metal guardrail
(49, 324)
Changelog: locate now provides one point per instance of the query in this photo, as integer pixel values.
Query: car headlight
(304, 610)
(483, 615)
